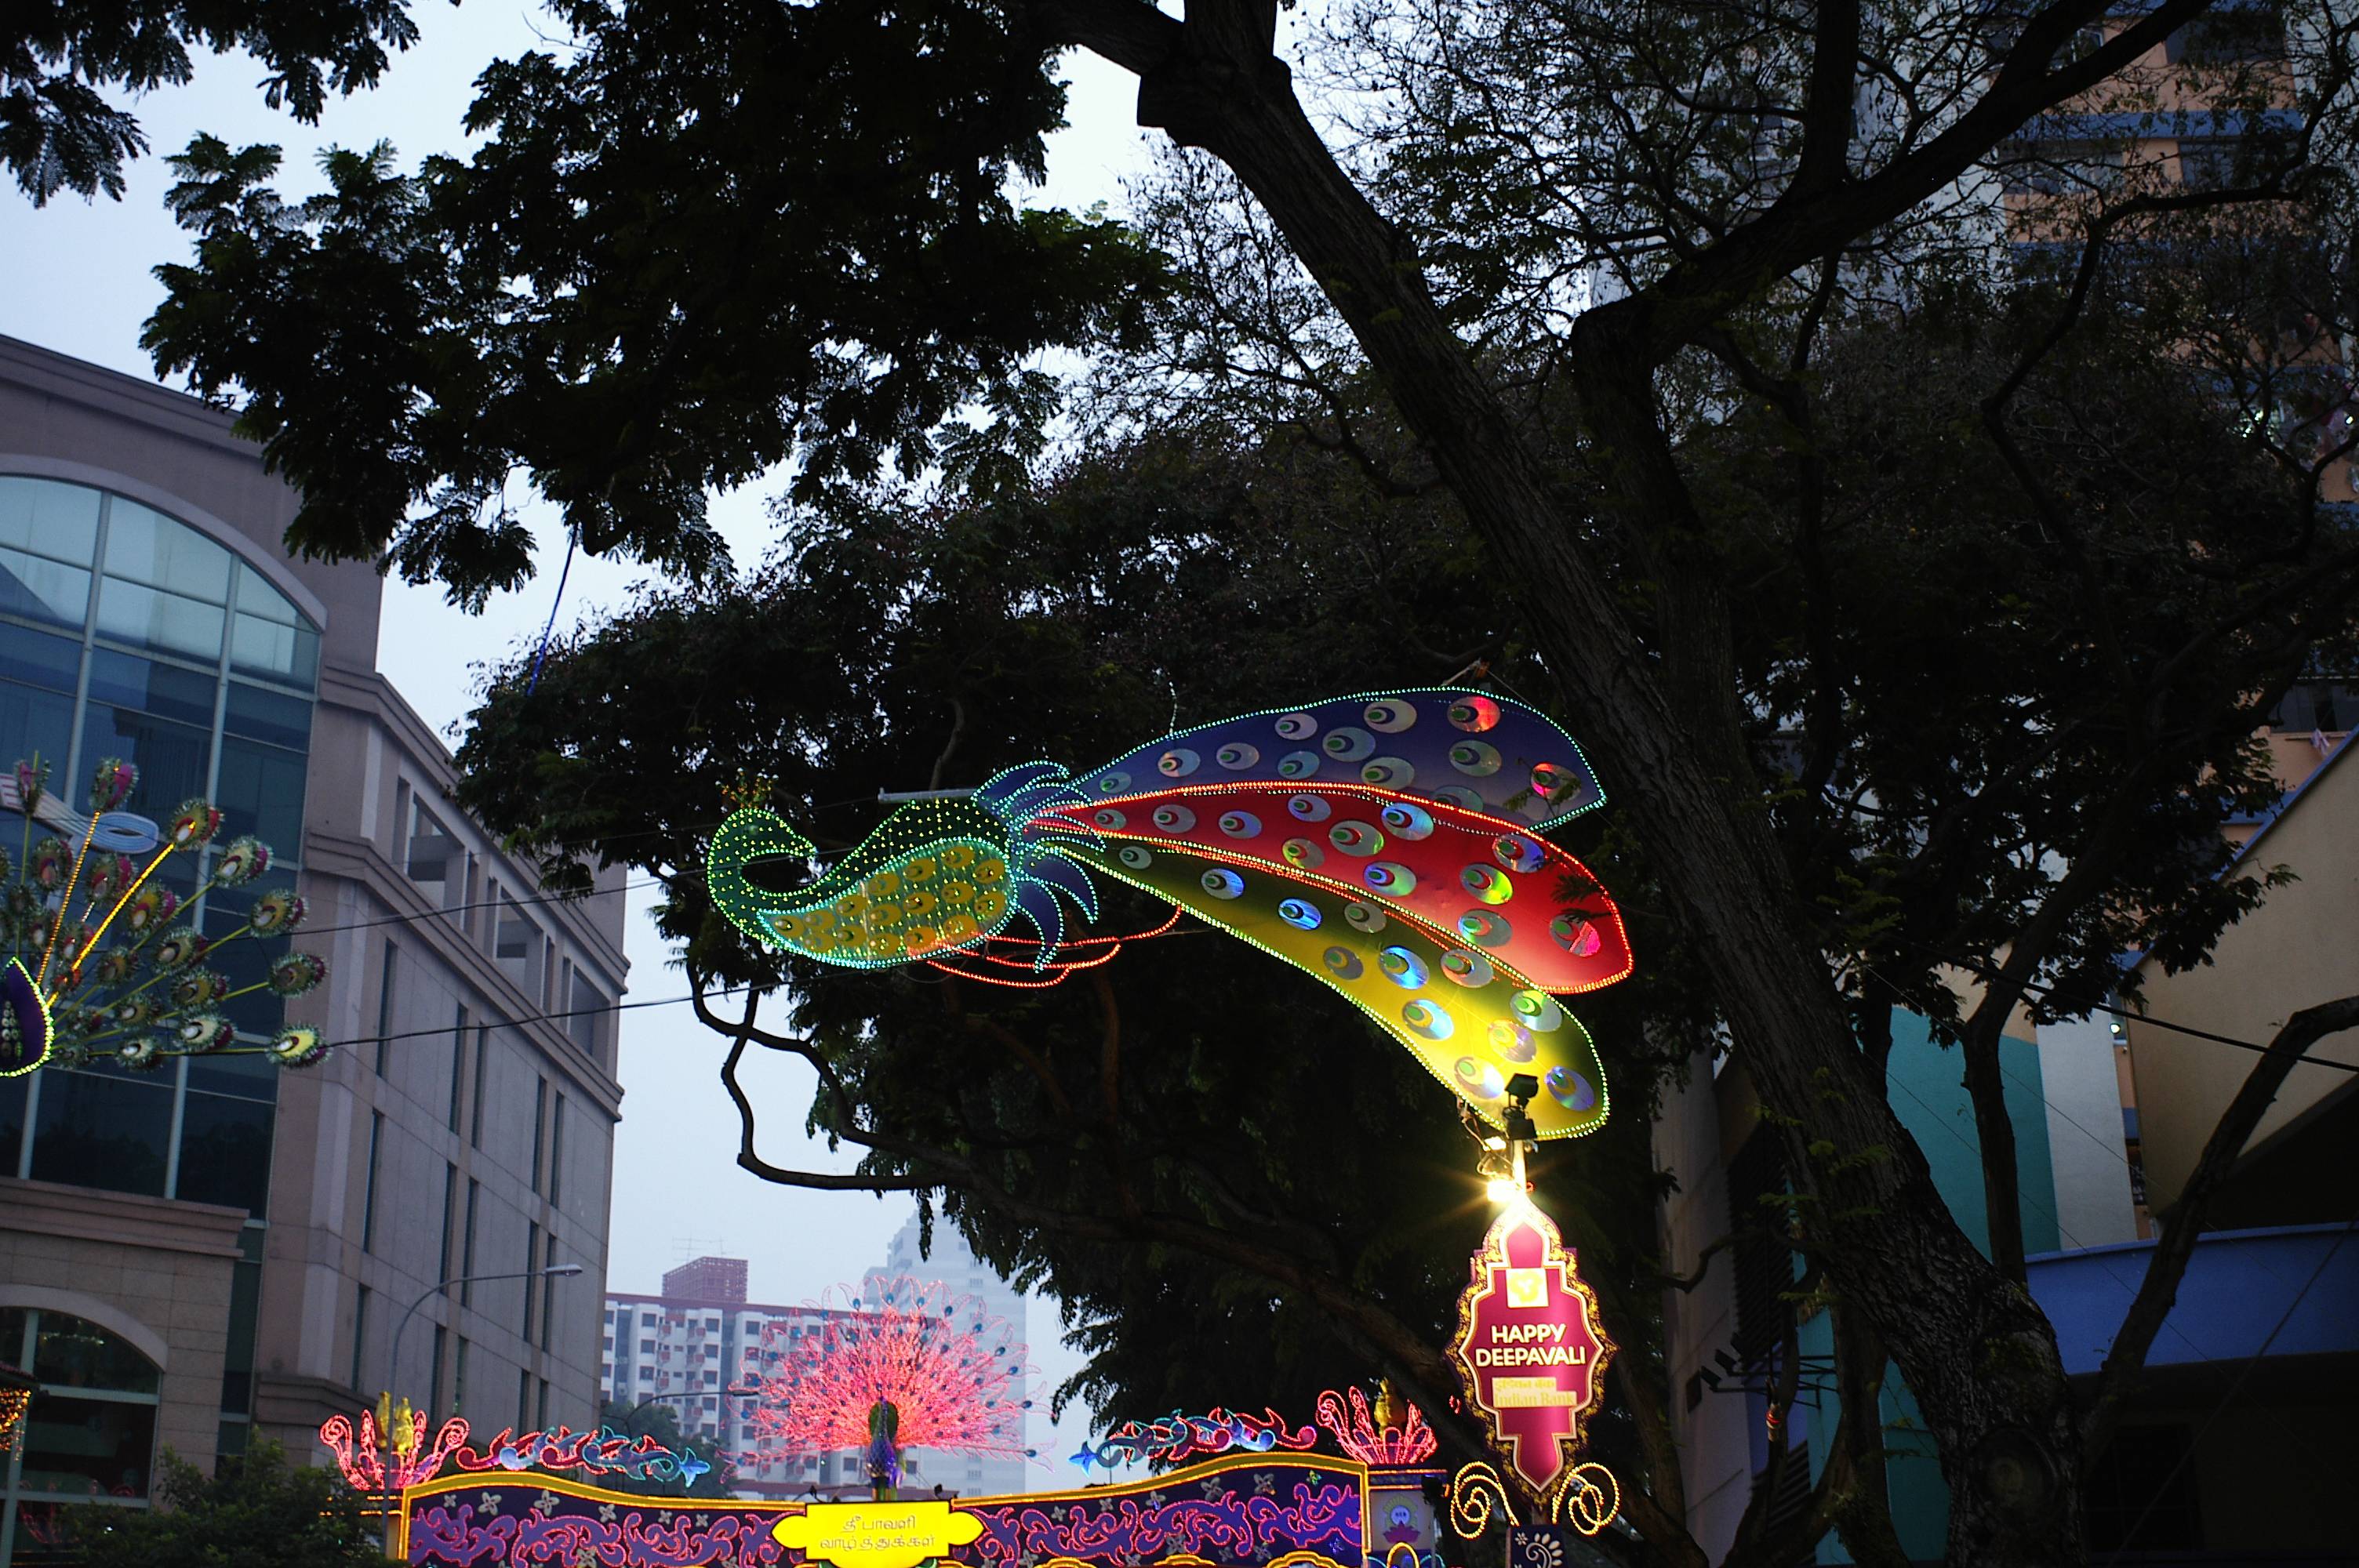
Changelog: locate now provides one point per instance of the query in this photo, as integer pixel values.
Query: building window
(587, 1010)
(531, 1261)
(385, 1006)
(549, 1292)
(467, 1245)
(434, 1378)
(541, 1411)
(449, 1220)
(647, 1346)
(459, 1380)
(475, 1113)
(539, 1126)
(556, 1150)
(457, 1063)
(524, 1398)
(368, 1194)
(90, 1433)
(360, 1334)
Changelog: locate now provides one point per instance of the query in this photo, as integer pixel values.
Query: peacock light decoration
(96, 967)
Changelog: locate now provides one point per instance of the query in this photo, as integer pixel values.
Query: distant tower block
(708, 1279)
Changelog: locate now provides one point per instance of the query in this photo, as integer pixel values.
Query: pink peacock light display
(897, 1365)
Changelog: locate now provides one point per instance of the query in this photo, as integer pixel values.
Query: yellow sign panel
(877, 1535)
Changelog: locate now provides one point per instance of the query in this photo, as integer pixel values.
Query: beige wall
(152, 1271)
(2295, 951)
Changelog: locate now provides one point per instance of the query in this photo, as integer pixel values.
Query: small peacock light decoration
(96, 968)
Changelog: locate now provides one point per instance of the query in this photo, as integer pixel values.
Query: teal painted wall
(1928, 1095)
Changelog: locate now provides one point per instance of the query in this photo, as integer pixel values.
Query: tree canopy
(1906, 468)
(59, 58)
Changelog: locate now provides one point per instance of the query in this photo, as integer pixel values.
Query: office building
(218, 1251)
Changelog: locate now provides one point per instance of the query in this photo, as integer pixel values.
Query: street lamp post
(393, 1359)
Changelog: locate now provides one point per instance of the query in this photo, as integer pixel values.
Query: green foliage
(707, 239)
(258, 1512)
(58, 58)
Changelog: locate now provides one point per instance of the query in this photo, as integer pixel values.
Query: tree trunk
(1975, 1348)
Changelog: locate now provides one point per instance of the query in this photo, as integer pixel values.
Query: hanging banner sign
(1530, 1348)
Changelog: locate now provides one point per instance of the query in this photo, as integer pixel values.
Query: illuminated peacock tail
(1389, 845)
(72, 995)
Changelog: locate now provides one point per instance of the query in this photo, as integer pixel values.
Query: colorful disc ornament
(1387, 845)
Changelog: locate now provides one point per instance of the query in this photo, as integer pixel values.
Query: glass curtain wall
(124, 633)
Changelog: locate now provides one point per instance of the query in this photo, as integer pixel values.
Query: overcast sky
(76, 277)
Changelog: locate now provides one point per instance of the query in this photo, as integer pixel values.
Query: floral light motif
(68, 996)
(1394, 1434)
(359, 1454)
(952, 1371)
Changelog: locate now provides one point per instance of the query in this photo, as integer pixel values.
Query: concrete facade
(464, 1123)
(2294, 952)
